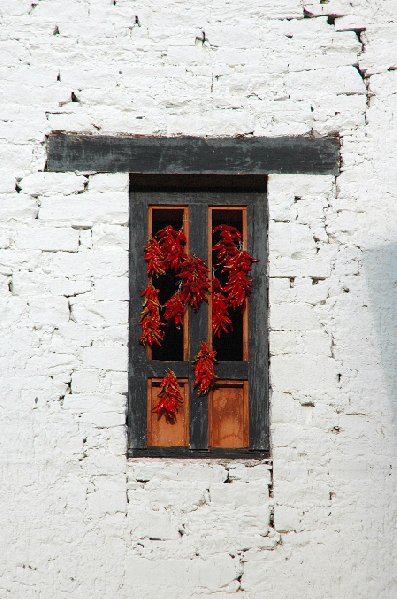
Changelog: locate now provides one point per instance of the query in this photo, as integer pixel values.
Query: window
(232, 420)
(238, 167)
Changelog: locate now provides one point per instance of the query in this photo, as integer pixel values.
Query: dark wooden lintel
(192, 155)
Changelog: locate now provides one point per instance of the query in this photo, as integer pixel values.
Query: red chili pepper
(221, 321)
(150, 317)
(166, 250)
(229, 243)
(170, 397)
(195, 283)
(174, 309)
(172, 244)
(154, 257)
(237, 263)
(239, 284)
(204, 370)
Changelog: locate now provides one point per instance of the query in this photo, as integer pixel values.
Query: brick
(294, 317)
(52, 311)
(106, 356)
(110, 235)
(83, 210)
(85, 381)
(99, 313)
(48, 184)
(107, 497)
(152, 524)
(17, 207)
(239, 493)
(307, 373)
(181, 471)
(108, 182)
(286, 518)
(112, 288)
(290, 239)
(247, 473)
(49, 239)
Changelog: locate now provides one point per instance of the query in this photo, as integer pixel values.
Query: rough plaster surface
(77, 519)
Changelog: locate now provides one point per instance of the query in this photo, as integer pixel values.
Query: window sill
(181, 452)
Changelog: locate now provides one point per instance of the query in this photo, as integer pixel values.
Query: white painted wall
(77, 519)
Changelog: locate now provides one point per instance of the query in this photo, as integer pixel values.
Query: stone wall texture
(77, 519)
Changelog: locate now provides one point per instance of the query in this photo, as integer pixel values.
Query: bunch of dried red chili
(195, 283)
(204, 370)
(236, 263)
(166, 252)
(221, 322)
(170, 397)
(150, 317)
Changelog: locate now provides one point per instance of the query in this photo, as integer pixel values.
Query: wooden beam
(213, 453)
(189, 155)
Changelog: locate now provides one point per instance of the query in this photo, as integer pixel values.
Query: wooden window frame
(255, 370)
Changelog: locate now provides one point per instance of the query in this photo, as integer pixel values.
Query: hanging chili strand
(238, 286)
(236, 262)
(221, 322)
(175, 309)
(230, 242)
(204, 370)
(154, 257)
(150, 318)
(170, 397)
(195, 282)
(172, 244)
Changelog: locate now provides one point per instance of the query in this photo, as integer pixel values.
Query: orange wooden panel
(159, 431)
(228, 415)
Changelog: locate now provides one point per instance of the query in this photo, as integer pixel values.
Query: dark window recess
(228, 346)
(172, 345)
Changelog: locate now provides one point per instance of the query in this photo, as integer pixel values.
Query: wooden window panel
(228, 415)
(159, 431)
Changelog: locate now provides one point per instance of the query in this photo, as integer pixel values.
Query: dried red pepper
(195, 282)
(172, 244)
(236, 262)
(170, 397)
(175, 309)
(221, 322)
(166, 250)
(204, 369)
(230, 242)
(150, 317)
(238, 287)
(154, 257)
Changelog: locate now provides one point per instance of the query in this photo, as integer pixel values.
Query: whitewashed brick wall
(77, 519)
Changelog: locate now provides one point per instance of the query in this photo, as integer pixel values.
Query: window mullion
(198, 327)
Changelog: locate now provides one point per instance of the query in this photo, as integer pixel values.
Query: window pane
(172, 347)
(229, 346)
